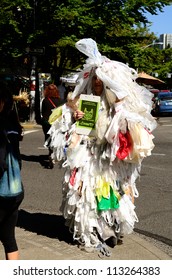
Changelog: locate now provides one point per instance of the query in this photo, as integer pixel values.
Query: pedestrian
(11, 188)
(62, 90)
(102, 158)
(50, 101)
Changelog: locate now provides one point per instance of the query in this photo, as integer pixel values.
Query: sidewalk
(30, 125)
(38, 247)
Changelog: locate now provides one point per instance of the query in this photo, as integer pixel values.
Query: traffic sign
(38, 51)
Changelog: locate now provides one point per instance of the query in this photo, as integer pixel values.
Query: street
(154, 206)
(43, 193)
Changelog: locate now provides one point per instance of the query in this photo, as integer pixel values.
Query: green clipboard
(89, 104)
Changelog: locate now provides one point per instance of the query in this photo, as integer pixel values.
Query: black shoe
(111, 242)
(120, 242)
(51, 163)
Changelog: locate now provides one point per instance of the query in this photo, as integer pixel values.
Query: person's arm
(43, 109)
(14, 139)
(3, 165)
(3, 152)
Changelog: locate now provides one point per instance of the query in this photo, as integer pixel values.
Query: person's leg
(8, 229)
(51, 161)
(12, 255)
(45, 127)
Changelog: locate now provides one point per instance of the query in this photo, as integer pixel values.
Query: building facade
(166, 39)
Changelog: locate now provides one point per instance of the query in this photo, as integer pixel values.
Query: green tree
(12, 22)
(163, 66)
(119, 27)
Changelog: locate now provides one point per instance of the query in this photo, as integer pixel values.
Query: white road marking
(152, 167)
(156, 154)
(30, 131)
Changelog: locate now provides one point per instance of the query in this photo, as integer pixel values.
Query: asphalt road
(153, 206)
(42, 185)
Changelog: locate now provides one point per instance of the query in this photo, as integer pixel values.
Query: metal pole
(33, 89)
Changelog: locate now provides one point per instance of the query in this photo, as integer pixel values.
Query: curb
(29, 125)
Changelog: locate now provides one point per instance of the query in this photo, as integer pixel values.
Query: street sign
(36, 51)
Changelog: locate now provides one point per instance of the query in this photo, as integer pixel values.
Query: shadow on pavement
(52, 226)
(42, 159)
(154, 236)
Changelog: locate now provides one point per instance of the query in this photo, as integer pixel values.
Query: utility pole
(34, 79)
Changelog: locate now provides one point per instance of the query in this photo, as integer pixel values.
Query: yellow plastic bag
(56, 113)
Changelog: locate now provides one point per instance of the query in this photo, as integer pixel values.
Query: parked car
(163, 103)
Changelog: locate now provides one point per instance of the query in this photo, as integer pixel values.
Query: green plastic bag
(108, 203)
(56, 113)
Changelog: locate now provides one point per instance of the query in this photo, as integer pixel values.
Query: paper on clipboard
(89, 104)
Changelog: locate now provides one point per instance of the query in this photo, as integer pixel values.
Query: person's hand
(78, 115)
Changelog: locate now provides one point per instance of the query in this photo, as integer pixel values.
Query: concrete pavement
(33, 246)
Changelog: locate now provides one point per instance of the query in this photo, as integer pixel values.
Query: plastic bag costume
(101, 171)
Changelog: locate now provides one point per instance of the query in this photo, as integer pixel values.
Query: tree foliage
(120, 29)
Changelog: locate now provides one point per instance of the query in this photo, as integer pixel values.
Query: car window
(166, 98)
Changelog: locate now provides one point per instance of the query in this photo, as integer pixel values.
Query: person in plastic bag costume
(101, 171)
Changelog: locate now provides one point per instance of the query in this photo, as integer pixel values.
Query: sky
(161, 23)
